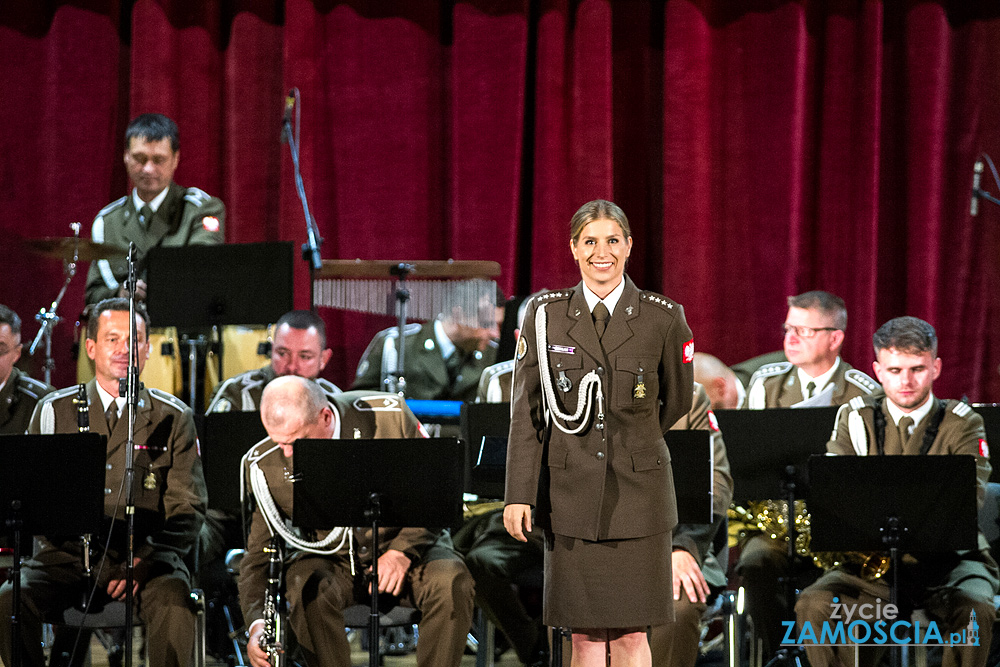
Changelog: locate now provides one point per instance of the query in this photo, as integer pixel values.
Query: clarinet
(82, 403)
(272, 639)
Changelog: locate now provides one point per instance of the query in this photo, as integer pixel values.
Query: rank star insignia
(628, 310)
(149, 481)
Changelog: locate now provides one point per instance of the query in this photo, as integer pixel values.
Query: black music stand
(484, 428)
(893, 503)
(388, 482)
(248, 283)
(225, 437)
(69, 502)
(691, 456)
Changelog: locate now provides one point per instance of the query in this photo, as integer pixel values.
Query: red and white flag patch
(689, 351)
(984, 449)
(713, 423)
(210, 223)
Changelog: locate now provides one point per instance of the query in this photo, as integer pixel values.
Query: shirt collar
(153, 205)
(917, 415)
(106, 399)
(820, 380)
(444, 343)
(610, 301)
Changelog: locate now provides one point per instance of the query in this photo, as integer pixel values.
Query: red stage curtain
(760, 148)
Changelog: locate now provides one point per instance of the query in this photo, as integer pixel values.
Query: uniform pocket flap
(557, 457)
(635, 365)
(564, 362)
(649, 459)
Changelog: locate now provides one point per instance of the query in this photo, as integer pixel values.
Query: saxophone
(82, 403)
(273, 637)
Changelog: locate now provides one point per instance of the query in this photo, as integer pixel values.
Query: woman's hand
(517, 520)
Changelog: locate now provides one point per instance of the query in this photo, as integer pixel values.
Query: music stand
(248, 283)
(384, 482)
(484, 428)
(691, 454)
(225, 437)
(893, 503)
(70, 502)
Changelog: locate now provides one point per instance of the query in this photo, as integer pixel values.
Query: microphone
(977, 175)
(286, 121)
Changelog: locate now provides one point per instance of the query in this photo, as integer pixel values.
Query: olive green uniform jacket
(18, 398)
(777, 386)
(241, 393)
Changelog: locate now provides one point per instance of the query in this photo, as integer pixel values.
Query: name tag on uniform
(562, 349)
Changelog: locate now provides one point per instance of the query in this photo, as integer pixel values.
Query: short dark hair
(302, 320)
(911, 335)
(117, 304)
(153, 127)
(828, 304)
(10, 318)
(599, 209)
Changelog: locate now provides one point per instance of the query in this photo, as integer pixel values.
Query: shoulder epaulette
(408, 330)
(118, 203)
(31, 387)
(169, 399)
(328, 387)
(499, 368)
(861, 381)
(377, 402)
(961, 409)
(857, 402)
(770, 370)
(196, 196)
(61, 393)
(659, 300)
(554, 296)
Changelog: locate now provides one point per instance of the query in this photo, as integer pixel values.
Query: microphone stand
(130, 386)
(978, 193)
(310, 249)
(48, 318)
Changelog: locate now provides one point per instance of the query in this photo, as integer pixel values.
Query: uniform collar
(444, 343)
(153, 205)
(917, 415)
(106, 399)
(610, 301)
(741, 394)
(820, 380)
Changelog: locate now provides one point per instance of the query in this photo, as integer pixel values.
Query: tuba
(273, 638)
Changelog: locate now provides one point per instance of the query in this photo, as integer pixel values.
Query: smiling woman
(602, 370)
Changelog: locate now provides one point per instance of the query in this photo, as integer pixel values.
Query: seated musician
(170, 503)
(18, 391)
(910, 420)
(814, 375)
(444, 357)
(299, 348)
(417, 565)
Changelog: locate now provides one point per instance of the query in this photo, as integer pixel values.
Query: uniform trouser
(163, 605)
(319, 589)
(676, 644)
(968, 587)
(495, 560)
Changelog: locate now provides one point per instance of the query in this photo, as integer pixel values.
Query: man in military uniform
(721, 383)
(416, 564)
(18, 392)
(299, 348)
(157, 213)
(170, 502)
(444, 357)
(814, 375)
(910, 420)
(696, 571)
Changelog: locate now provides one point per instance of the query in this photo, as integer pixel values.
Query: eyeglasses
(804, 332)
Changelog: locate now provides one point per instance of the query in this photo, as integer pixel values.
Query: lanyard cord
(584, 398)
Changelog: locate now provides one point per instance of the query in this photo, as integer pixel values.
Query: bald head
(718, 379)
(293, 408)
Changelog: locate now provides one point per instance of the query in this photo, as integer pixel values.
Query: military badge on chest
(149, 481)
(639, 390)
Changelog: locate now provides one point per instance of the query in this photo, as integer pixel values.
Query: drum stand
(48, 317)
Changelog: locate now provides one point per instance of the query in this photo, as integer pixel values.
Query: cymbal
(62, 247)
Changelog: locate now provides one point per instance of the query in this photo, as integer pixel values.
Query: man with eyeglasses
(18, 392)
(813, 376)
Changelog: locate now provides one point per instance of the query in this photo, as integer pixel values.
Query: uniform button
(363, 550)
(600, 456)
(600, 370)
(108, 466)
(658, 461)
(107, 492)
(458, 379)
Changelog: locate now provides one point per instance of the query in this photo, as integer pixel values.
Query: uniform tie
(904, 431)
(810, 388)
(601, 317)
(112, 416)
(454, 364)
(146, 215)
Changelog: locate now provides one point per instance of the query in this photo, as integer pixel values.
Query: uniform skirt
(609, 583)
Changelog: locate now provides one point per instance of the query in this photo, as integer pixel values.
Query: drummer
(158, 212)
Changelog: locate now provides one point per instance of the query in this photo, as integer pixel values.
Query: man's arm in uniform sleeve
(414, 542)
(840, 439)
(185, 497)
(527, 423)
(369, 372)
(971, 436)
(206, 234)
(676, 377)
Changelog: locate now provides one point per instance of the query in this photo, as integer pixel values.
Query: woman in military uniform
(602, 371)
